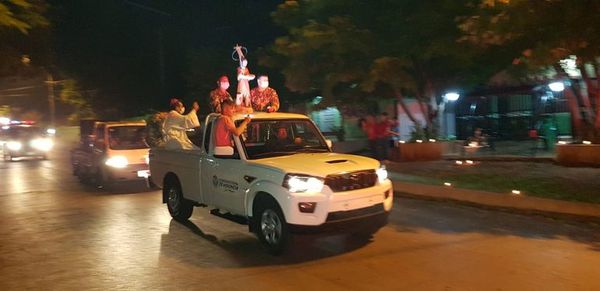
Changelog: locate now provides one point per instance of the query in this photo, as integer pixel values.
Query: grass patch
(538, 180)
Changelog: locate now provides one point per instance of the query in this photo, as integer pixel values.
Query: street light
(557, 86)
(451, 96)
(448, 97)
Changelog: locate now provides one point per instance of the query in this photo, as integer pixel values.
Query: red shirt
(381, 129)
(222, 134)
(369, 129)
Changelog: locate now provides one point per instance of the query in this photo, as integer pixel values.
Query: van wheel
(99, 178)
(180, 208)
(271, 228)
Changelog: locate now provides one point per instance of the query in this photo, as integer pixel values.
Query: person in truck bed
(176, 124)
(225, 126)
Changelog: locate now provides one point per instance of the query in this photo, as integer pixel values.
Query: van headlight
(14, 145)
(117, 162)
(42, 144)
(382, 174)
(303, 183)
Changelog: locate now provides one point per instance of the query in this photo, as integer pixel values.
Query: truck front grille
(351, 181)
(356, 213)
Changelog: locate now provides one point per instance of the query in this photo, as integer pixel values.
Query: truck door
(222, 178)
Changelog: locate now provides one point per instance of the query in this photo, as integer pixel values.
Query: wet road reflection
(57, 234)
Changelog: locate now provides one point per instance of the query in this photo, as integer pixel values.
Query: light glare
(304, 184)
(42, 144)
(452, 96)
(557, 86)
(382, 174)
(14, 145)
(117, 162)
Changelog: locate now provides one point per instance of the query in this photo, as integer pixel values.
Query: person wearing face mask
(263, 97)
(176, 125)
(220, 94)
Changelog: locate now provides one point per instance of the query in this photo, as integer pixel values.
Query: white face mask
(182, 110)
(224, 85)
(263, 84)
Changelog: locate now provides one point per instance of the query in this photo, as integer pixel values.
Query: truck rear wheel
(180, 208)
(271, 227)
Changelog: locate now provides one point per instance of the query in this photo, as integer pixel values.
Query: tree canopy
(22, 15)
(541, 34)
(410, 47)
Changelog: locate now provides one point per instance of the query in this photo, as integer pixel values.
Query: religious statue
(243, 76)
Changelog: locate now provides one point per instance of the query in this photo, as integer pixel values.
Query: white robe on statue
(175, 128)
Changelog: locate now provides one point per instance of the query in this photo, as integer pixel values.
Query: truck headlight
(382, 174)
(42, 144)
(302, 183)
(14, 145)
(117, 162)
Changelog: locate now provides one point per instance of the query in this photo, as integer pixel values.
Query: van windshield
(271, 138)
(127, 137)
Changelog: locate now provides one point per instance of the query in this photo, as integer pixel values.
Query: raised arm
(236, 130)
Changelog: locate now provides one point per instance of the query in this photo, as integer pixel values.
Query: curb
(517, 203)
(502, 158)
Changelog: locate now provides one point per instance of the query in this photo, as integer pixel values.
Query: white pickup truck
(280, 177)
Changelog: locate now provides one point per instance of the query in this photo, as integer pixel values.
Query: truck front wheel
(272, 229)
(180, 208)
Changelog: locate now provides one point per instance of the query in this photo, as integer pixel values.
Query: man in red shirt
(383, 132)
(263, 97)
(220, 94)
(225, 127)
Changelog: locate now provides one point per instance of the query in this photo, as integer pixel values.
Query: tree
(72, 94)
(22, 32)
(408, 47)
(22, 15)
(542, 35)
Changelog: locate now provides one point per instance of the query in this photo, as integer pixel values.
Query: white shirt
(175, 127)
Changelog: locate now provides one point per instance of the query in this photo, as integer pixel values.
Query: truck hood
(319, 164)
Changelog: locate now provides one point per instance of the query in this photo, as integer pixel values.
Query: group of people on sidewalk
(379, 133)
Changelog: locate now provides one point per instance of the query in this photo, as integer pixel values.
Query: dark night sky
(113, 45)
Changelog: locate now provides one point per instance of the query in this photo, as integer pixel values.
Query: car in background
(24, 140)
(111, 152)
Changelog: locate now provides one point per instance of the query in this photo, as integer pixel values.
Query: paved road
(56, 234)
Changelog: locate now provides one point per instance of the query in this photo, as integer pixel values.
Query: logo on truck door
(226, 185)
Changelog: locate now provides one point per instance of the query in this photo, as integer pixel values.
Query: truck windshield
(127, 137)
(271, 138)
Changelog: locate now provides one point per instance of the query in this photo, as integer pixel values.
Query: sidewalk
(505, 151)
(518, 203)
